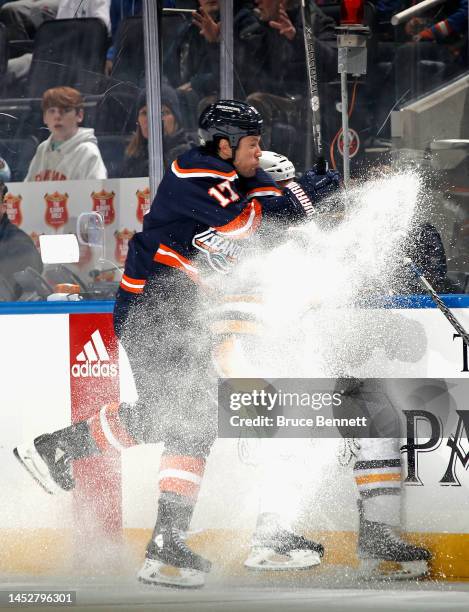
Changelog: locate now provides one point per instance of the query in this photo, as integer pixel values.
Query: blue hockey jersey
(202, 214)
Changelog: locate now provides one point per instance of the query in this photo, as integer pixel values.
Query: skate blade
(376, 569)
(158, 573)
(268, 559)
(31, 460)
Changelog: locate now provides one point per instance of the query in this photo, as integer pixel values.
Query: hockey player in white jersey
(377, 474)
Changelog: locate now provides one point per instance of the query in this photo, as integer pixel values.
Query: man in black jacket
(17, 250)
(274, 63)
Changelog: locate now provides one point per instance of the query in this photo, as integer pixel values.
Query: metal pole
(226, 49)
(153, 87)
(351, 44)
(414, 10)
(345, 134)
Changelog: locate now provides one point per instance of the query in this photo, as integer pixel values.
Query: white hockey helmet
(278, 166)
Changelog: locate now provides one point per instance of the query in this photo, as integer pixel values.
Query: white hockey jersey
(75, 159)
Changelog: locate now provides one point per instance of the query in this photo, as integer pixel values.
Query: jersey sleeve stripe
(201, 172)
(133, 285)
(263, 191)
(245, 224)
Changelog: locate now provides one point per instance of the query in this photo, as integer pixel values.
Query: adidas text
(94, 370)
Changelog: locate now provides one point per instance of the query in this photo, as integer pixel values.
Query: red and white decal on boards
(94, 381)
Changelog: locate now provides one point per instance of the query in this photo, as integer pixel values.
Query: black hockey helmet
(229, 119)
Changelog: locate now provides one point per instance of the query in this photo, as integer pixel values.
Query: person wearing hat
(136, 155)
(176, 139)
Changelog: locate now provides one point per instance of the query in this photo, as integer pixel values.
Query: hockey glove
(306, 193)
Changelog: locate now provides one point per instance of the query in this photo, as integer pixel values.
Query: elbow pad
(306, 193)
(300, 201)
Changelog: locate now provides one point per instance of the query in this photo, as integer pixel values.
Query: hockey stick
(313, 87)
(437, 300)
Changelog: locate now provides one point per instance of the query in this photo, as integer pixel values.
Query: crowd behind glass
(73, 103)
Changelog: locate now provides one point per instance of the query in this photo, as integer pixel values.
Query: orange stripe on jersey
(169, 257)
(360, 480)
(201, 172)
(196, 465)
(245, 224)
(266, 191)
(133, 285)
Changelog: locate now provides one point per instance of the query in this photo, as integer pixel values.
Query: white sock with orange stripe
(377, 473)
(107, 429)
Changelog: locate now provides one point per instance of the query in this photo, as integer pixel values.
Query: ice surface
(257, 594)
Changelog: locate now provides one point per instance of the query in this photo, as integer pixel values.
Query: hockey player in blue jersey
(209, 203)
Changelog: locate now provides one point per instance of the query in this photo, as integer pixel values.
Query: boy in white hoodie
(70, 152)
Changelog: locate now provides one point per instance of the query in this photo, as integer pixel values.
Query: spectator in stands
(436, 49)
(136, 154)
(445, 25)
(17, 250)
(22, 18)
(5, 172)
(120, 9)
(18, 67)
(71, 152)
(79, 9)
(195, 52)
(176, 140)
(272, 59)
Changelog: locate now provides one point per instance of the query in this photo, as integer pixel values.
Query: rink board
(48, 207)
(45, 534)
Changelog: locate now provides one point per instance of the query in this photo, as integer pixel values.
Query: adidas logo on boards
(94, 360)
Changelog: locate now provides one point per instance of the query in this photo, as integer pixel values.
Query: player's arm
(300, 199)
(216, 202)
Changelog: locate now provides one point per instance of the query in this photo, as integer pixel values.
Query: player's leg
(49, 457)
(169, 560)
(274, 544)
(377, 474)
(276, 547)
(188, 425)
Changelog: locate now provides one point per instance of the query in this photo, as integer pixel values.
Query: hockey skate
(47, 463)
(276, 548)
(170, 562)
(385, 555)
